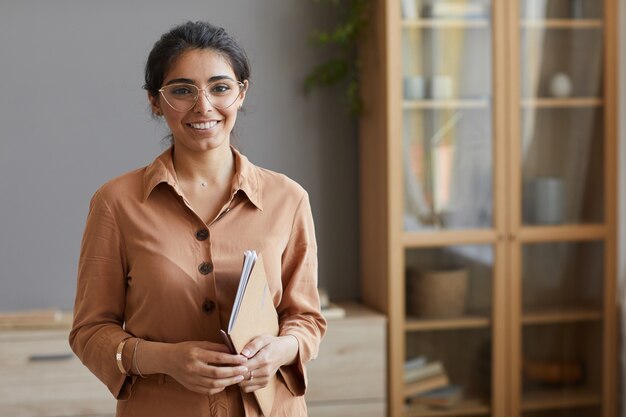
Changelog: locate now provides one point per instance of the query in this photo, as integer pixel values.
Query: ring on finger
(251, 375)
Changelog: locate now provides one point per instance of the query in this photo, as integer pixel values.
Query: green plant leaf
(344, 37)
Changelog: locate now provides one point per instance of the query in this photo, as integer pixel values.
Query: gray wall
(621, 181)
(73, 115)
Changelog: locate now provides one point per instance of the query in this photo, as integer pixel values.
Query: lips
(204, 125)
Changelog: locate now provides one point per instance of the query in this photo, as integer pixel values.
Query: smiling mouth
(203, 126)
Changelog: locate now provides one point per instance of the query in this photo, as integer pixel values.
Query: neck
(211, 167)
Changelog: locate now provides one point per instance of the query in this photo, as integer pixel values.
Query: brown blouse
(150, 268)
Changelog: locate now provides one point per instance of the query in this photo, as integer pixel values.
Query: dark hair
(192, 35)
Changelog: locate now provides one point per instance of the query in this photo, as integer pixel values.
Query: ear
(155, 104)
(244, 90)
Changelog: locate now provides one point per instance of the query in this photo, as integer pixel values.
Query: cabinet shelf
(553, 316)
(435, 238)
(446, 104)
(414, 324)
(468, 407)
(575, 232)
(445, 23)
(562, 24)
(532, 103)
(559, 399)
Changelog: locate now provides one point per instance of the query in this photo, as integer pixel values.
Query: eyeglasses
(183, 97)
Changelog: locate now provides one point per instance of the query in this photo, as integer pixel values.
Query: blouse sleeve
(299, 309)
(97, 329)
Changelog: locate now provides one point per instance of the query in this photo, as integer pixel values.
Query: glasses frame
(195, 100)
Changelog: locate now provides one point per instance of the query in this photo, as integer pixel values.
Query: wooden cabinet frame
(383, 241)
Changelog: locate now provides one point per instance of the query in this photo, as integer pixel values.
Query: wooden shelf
(570, 315)
(428, 104)
(469, 407)
(433, 238)
(567, 233)
(562, 24)
(414, 324)
(533, 103)
(559, 399)
(446, 23)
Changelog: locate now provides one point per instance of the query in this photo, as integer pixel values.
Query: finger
(220, 358)
(252, 387)
(256, 345)
(222, 382)
(220, 372)
(259, 361)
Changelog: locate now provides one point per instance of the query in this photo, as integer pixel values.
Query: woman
(163, 247)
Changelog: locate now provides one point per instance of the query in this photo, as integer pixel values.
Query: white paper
(249, 259)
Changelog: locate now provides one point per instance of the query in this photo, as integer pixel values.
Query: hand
(205, 367)
(266, 354)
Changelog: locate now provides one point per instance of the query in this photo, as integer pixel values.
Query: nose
(203, 104)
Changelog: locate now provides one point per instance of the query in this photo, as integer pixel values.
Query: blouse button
(202, 234)
(205, 268)
(208, 306)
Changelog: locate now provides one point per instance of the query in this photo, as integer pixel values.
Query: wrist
(291, 348)
(150, 357)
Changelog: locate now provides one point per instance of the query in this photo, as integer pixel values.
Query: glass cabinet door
(562, 329)
(448, 175)
(447, 114)
(449, 330)
(561, 152)
(562, 117)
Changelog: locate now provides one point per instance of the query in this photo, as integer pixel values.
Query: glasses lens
(181, 97)
(221, 94)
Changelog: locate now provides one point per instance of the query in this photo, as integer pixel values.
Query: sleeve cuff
(295, 374)
(118, 384)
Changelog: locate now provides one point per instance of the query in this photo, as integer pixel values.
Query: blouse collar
(161, 170)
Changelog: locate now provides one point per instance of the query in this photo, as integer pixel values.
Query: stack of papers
(253, 314)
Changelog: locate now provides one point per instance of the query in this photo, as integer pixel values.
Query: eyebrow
(190, 81)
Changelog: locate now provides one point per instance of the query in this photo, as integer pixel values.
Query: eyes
(182, 90)
(190, 90)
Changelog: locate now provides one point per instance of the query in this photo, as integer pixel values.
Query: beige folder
(257, 315)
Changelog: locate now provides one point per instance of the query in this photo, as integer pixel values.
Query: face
(203, 127)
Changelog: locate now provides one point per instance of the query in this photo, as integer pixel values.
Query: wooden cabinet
(349, 376)
(488, 200)
(40, 377)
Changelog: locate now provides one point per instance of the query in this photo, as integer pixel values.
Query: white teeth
(207, 125)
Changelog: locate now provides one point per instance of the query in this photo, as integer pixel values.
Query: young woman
(163, 248)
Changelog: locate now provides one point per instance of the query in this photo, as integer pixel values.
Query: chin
(203, 143)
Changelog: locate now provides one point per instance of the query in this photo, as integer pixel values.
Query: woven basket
(435, 294)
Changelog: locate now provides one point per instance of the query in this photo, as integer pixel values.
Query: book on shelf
(426, 384)
(329, 310)
(333, 311)
(253, 314)
(425, 371)
(414, 363)
(444, 397)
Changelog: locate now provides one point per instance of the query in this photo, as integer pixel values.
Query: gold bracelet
(118, 357)
(134, 361)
